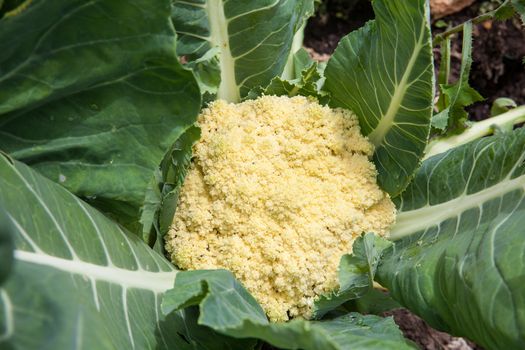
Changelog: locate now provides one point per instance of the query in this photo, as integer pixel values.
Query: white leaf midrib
(412, 221)
(228, 89)
(157, 282)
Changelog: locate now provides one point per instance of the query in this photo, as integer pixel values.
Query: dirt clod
(441, 8)
(417, 330)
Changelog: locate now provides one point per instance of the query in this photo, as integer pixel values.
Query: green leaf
(440, 120)
(6, 245)
(163, 194)
(476, 130)
(290, 69)
(307, 85)
(174, 168)
(356, 273)
(229, 309)
(214, 288)
(455, 97)
(376, 302)
(505, 11)
(502, 105)
(80, 281)
(441, 24)
(386, 77)
(458, 259)
(444, 67)
(208, 74)
(443, 78)
(102, 92)
(253, 38)
(519, 5)
(301, 61)
(149, 212)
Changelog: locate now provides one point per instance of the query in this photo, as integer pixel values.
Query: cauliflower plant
(277, 192)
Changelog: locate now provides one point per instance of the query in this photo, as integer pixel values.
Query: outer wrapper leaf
(228, 308)
(384, 73)
(80, 281)
(458, 261)
(93, 96)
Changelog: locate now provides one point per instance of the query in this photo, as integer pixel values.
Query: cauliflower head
(278, 190)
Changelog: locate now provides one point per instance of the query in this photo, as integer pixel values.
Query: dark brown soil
(499, 48)
(497, 69)
(417, 330)
(333, 20)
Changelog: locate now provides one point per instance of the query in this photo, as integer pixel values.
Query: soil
(417, 330)
(333, 20)
(499, 47)
(497, 71)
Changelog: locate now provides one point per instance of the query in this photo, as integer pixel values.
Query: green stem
(477, 20)
(476, 131)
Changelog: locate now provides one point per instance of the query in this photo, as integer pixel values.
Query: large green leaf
(459, 256)
(93, 95)
(80, 281)
(229, 309)
(253, 38)
(384, 73)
